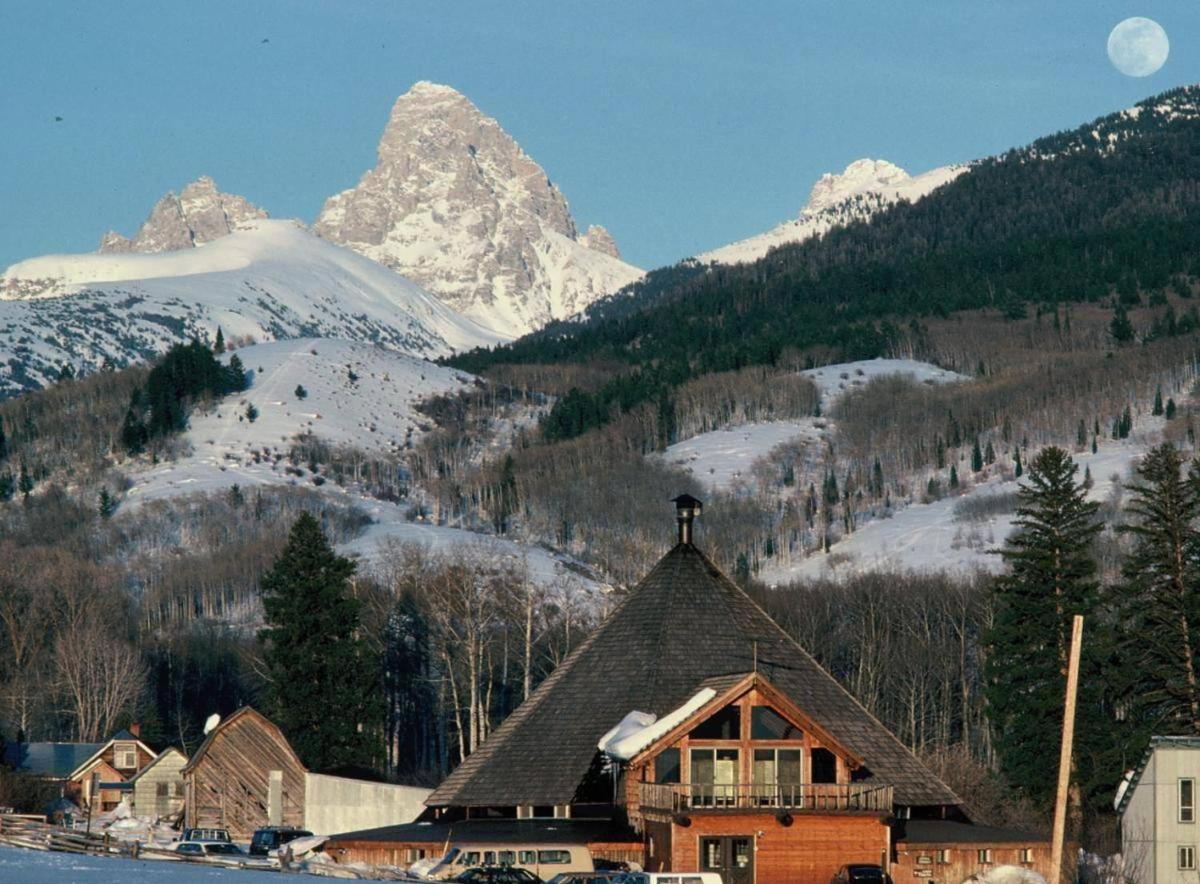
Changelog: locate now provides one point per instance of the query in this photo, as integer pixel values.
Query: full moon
(1138, 47)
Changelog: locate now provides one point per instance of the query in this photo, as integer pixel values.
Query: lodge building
(689, 732)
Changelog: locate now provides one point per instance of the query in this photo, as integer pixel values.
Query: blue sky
(678, 125)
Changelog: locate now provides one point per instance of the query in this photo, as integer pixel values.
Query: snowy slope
(374, 413)
(455, 204)
(42, 867)
(273, 280)
(724, 459)
(930, 537)
(863, 189)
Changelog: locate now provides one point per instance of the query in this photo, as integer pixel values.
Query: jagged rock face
(455, 204)
(200, 214)
(600, 240)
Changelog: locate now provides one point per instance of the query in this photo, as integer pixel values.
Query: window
(507, 857)
(714, 776)
(489, 857)
(178, 788)
(725, 724)
(1187, 858)
(554, 857)
(1027, 855)
(943, 857)
(777, 776)
(528, 857)
(161, 789)
(666, 766)
(125, 756)
(985, 856)
(1187, 800)
(824, 766)
(767, 724)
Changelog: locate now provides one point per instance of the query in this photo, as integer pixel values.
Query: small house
(158, 787)
(1157, 806)
(103, 775)
(246, 775)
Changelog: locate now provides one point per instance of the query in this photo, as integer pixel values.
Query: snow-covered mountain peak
(198, 215)
(598, 239)
(455, 203)
(861, 176)
(865, 187)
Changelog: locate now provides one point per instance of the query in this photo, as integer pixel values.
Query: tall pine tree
(1050, 578)
(1156, 602)
(323, 681)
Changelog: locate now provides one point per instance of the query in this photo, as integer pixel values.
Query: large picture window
(726, 724)
(666, 766)
(767, 724)
(714, 776)
(777, 775)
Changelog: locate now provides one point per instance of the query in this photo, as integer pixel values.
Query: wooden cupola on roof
(682, 626)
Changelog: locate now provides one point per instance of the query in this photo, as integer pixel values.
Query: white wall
(1151, 833)
(334, 805)
(1137, 828)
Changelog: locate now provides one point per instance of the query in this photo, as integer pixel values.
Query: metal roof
(54, 760)
(1182, 742)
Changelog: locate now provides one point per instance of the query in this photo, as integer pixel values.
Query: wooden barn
(691, 722)
(245, 775)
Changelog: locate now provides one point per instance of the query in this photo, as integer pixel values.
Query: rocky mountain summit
(455, 204)
(199, 214)
(865, 187)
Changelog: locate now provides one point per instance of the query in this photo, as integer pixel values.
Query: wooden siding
(809, 851)
(227, 782)
(165, 772)
(951, 863)
(404, 853)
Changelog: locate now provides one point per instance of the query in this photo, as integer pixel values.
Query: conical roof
(684, 623)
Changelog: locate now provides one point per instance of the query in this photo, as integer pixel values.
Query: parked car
(861, 873)
(209, 848)
(270, 838)
(206, 834)
(668, 878)
(543, 860)
(596, 877)
(497, 875)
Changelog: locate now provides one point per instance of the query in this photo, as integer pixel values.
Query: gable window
(666, 766)
(767, 724)
(1187, 858)
(125, 756)
(725, 724)
(714, 776)
(1187, 800)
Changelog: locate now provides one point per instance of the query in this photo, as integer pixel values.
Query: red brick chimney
(136, 729)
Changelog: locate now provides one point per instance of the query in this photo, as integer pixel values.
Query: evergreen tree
(877, 478)
(1018, 469)
(236, 497)
(3, 442)
(976, 457)
(133, 433)
(1169, 411)
(7, 486)
(66, 372)
(1157, 410)
(251, 412)
(219, 343)
(1051, 577)
(1156, 602)
(235, 376)
(940, 453)
(1120, 328)
(989, 453)
(301, 393)
(953, 476)
(311, 643)
(106, 504)
(25, 482)
(1095, 444)
(1081, 434)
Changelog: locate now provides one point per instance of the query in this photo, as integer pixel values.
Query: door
(730, 856)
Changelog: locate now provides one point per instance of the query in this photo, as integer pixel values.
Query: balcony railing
(793, 797)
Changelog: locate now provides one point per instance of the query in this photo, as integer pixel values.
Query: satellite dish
(212, 722)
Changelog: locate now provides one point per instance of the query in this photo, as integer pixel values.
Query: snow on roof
(639, 730)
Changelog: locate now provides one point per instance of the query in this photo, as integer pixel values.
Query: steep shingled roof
(684, 623)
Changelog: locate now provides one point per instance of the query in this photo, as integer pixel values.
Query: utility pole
(1064, 759)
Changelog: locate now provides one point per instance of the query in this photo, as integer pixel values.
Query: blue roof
(54, 760)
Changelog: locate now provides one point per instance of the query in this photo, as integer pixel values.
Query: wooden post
(1064, 759)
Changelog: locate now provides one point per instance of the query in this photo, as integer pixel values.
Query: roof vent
(686, 510)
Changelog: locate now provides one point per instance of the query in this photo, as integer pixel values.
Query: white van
(544, 860)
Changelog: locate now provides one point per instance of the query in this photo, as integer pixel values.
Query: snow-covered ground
(931, 537)
(358, 395)
(375, 412)
(724, 458)
(19, 866)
